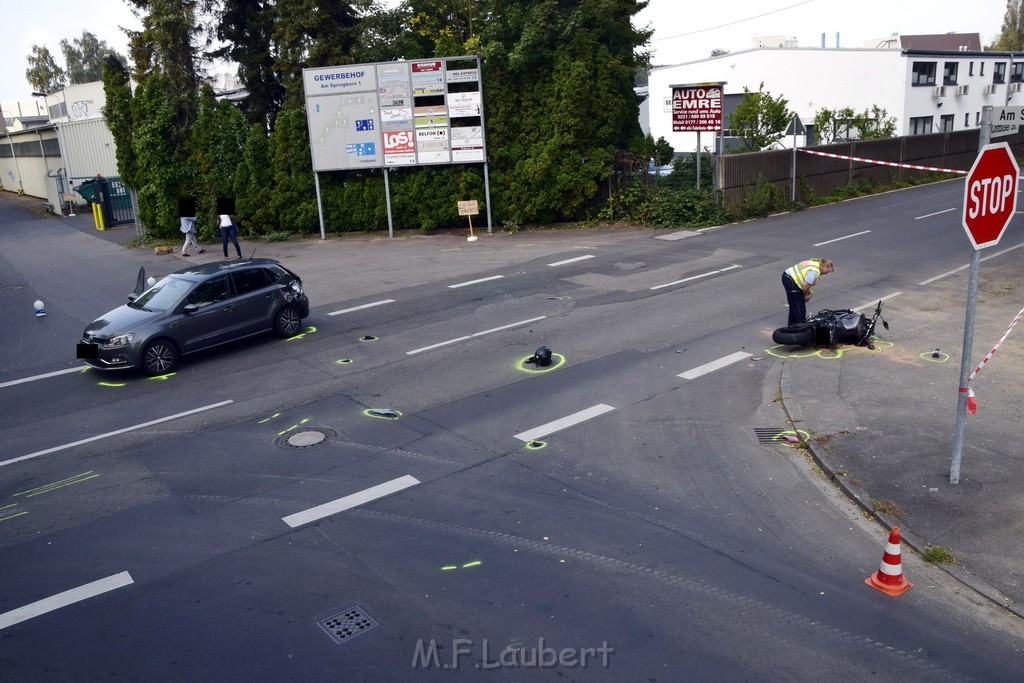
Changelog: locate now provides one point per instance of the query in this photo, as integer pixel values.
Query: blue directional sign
(362, 149)
(364, 124)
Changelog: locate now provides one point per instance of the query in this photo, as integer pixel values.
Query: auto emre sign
(696, 107)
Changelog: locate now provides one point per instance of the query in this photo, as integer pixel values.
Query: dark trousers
(795, 297)
(232, 234)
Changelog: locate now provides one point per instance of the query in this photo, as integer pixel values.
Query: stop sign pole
(990, 200)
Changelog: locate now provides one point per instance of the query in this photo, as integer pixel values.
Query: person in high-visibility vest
(799, 281)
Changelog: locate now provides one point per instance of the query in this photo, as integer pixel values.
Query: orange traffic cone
(889, 577)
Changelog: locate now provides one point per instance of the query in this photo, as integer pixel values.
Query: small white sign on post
(469, 208)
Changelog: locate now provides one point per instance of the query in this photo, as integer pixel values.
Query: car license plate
(87, 351)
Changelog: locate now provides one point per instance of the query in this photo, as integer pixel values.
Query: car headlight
(296, 287)
(119, 340)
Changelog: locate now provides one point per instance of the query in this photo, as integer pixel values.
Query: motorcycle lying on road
(832, 327)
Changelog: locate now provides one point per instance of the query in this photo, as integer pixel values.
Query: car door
(257, 298)
(214, 320)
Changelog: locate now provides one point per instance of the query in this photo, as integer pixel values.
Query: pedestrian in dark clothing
(228, 230)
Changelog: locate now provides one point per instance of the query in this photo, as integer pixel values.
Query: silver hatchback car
(193, 309)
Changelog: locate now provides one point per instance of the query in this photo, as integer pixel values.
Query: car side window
(250, 280)
(210, 292)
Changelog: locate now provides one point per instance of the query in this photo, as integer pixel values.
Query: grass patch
(938, 555)
(278, 236)
(888, 507)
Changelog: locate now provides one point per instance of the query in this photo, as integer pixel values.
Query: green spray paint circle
(557, 360)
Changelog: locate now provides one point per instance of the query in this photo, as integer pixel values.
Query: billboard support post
(319, 205)
(387, 201)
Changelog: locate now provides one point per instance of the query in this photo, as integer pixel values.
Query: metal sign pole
(387, 202)
(972, 297)
(319, 205)
(965, 367)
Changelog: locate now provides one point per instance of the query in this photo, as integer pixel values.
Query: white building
(924, 90)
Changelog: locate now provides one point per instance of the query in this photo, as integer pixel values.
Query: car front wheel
(287, 321)
(159, 357)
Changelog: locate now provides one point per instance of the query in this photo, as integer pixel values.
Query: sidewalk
(882, 425)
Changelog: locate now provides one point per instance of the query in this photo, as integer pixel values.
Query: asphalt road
(246, 517)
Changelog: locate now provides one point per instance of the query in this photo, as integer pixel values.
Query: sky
(685, 30)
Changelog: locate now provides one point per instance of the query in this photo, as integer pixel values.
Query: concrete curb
(840, 477)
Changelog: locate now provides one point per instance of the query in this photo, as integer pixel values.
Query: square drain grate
(346, 625)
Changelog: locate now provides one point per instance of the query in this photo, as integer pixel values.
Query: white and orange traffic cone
(972, 403)
(889, 577)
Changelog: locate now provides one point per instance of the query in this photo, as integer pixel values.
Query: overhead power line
(733, 23)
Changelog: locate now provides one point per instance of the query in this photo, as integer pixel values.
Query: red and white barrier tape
(884, 163)
(994, 348)
(972, 403)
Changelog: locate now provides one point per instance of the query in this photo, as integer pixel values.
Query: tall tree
(164, 109)
(83, 58)
(559, 100)
(311, 33)
(117, 112)
(1011, 38)
(43, 74)
(245, 27)
(760, 119)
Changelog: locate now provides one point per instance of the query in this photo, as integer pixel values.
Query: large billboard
(419, 112)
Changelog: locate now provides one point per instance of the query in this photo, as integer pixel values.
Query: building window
(946, 123)
(949, 70)
(1017, 72)
(923, 73)
(970, 68)
(977, 118)
(967, 120)
(919, 125)
(981, 67)
(999, 75)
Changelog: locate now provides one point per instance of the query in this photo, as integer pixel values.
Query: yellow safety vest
(799, 272)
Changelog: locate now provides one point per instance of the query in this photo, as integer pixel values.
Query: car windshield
(164, 295)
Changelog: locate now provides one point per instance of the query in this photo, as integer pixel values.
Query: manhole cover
(305, 437)
(348, 624)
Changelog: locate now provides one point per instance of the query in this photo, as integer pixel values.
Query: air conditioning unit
(962, 89)
(1015, 87)
(940, 91)
(990, 89)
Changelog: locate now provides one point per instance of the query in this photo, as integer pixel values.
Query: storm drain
(770, 435)
(304, 438)
(348, 624)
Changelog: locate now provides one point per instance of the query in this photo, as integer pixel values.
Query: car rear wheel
(287, 321)
(159, 357)
(801, 334)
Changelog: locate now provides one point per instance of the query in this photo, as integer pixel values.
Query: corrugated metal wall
(88, 149)
(741, 174)
(37, 154)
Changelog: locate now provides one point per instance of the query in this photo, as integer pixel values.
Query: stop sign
(990, 195)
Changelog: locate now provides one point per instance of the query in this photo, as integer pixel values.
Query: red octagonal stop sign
(990, 195)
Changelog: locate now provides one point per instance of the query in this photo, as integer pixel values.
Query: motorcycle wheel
(801, 334)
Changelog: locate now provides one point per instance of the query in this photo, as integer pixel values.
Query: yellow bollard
(97, 217)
